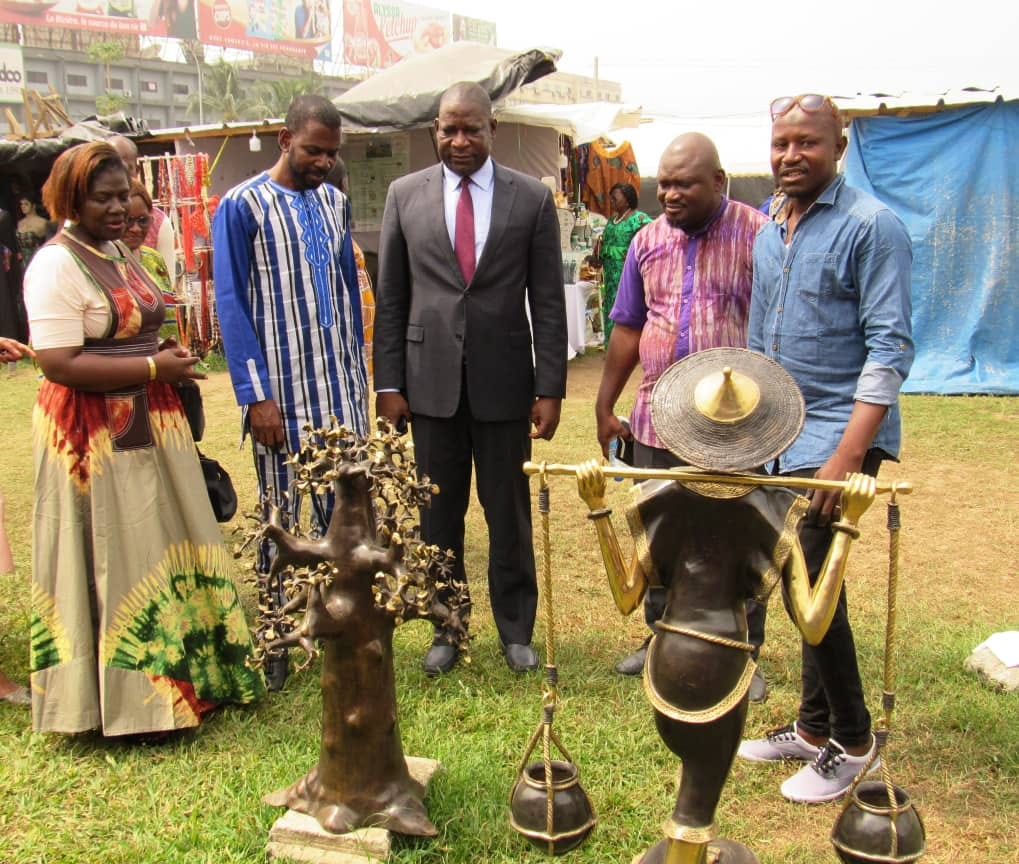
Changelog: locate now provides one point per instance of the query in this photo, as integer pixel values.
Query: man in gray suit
(467, 247)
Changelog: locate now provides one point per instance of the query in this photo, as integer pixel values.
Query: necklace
(617, 219)
(116, 258)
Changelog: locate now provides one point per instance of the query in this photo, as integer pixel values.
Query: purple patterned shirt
(685, 293)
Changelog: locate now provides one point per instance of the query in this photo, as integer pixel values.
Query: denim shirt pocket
(832, 299)
(809, 316)
(818, 275)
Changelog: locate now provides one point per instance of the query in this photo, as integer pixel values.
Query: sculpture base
(719, 852)
(299, 837)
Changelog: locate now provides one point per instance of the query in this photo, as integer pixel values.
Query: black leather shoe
(520, 658)
(633, 664)
(276, 671)
(440, 659)
(758, 687)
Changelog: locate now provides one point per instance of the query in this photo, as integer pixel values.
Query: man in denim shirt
(831, 303)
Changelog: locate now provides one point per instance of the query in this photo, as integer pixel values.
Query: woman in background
(13, 325)
(137, 626)
(340, 178)
(138, 222)
(626, 220)
(11, 351)
(140, 213)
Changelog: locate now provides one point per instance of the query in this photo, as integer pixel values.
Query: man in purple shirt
(685, 287)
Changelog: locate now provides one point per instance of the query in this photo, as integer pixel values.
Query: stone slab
(298, 836)
(987, 666)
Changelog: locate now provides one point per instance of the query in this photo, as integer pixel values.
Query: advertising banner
(295, 28)
(174, 18)
(473, 30)
(378, 34)
(12, 73)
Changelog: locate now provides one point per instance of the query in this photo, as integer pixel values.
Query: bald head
(467, 93)
(128, 151)
(693, 148)
(690, 181)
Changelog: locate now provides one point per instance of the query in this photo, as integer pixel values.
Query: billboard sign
(295, 28)
(378, 34)
(174, 18)
(12, 73)
(473, 30)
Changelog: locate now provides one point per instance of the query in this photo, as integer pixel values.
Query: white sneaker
(829, 776)
(782, 743)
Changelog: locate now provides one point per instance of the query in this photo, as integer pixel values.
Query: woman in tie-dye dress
(136, 624)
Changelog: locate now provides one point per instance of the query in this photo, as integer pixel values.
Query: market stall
(388, 133)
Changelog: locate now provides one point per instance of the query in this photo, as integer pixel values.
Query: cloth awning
(406, 96)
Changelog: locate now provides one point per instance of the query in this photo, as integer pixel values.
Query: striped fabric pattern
(289, 305)
(696, 295)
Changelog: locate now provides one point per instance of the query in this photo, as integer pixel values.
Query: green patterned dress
(615, 240)
(136, 624)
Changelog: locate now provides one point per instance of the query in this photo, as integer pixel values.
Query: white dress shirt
(482, 187)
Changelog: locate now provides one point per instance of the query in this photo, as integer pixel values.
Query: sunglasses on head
(809, 102)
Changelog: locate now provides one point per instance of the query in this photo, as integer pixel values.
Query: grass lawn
(955, 744)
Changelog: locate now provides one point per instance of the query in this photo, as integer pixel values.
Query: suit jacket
(429, 324)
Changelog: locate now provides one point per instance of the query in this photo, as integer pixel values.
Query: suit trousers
(832, 702)
(445, 449)
(645, 456)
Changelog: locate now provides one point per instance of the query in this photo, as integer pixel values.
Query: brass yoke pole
(696, 475)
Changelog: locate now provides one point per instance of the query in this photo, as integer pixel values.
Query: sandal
(17, 696)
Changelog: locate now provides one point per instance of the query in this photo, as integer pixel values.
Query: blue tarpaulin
(953, 178)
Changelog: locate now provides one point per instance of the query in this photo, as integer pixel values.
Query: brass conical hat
(726, 409)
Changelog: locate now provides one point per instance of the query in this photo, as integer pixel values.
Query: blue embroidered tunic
(288, 303)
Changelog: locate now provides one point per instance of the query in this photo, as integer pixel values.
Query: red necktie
(463, 233)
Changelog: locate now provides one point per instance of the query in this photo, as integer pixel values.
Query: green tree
(110, 103)
(272, 98)
(221, 91)
(107, 52)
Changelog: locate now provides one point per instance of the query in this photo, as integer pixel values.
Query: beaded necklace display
(181, 190)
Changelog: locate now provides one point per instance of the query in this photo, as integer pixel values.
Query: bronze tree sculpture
(366, 574)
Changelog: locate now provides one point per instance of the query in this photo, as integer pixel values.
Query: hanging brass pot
(548, 806)
(566, 823)
(873, 828)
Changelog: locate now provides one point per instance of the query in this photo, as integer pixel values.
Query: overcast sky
(715, 66)
(730, 57)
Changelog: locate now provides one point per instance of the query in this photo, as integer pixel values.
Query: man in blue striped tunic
(288, 304)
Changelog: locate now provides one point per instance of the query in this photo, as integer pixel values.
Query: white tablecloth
(577, 296)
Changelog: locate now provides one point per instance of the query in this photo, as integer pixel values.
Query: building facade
(155, 91)
(565, 88)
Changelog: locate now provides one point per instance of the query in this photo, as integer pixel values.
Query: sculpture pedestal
(299, 837)
(720, 851)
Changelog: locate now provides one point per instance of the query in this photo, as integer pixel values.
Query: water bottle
(621, 449)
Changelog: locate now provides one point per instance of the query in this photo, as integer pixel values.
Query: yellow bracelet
(152, 369)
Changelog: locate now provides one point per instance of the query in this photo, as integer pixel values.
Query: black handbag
(191, 401)
(220, 488)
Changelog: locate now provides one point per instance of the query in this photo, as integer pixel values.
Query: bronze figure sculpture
(714, 544)
(354, 584)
